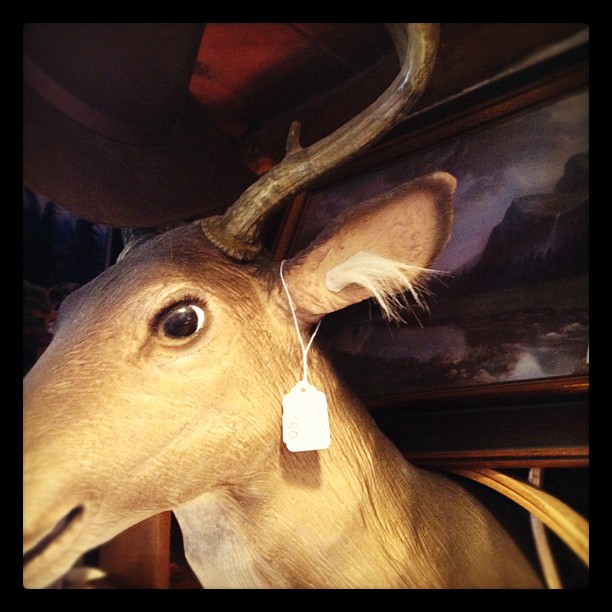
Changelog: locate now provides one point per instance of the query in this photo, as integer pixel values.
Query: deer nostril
(59, 528)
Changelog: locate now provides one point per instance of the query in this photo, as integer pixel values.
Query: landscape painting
(514, 304)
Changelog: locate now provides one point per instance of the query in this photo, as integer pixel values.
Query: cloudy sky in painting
(522, 156)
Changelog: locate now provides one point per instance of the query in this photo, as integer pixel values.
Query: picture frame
(517, 297)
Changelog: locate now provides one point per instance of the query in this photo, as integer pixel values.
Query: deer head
(162, 388)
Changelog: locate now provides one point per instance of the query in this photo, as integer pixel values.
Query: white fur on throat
(385, 279)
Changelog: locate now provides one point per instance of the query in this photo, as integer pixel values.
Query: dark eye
(181, 321)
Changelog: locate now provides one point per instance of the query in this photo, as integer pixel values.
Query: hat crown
(136, 74)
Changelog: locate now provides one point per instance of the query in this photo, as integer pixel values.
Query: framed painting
(510, 316)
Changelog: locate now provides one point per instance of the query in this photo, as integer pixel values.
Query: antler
(236, 233)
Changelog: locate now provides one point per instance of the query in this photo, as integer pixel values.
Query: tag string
(305, 348)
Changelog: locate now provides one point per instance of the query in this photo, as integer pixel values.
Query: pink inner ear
(409, 225)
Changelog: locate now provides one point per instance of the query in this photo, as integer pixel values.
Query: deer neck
(315, 519)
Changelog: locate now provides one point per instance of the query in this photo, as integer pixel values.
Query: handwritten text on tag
(305, 419)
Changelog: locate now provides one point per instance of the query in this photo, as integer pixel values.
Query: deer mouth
(64, 529)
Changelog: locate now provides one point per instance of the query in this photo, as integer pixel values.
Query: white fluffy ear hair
(379, 249)
(386, 280)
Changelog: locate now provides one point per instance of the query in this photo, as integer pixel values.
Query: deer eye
(181, 320)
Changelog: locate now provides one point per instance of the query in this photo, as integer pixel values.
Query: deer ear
(378, 249)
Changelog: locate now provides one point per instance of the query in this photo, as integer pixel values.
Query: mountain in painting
(542, 236)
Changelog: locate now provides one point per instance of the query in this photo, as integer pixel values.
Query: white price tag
(305, 419)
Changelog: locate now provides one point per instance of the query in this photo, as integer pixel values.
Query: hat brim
(194, 173)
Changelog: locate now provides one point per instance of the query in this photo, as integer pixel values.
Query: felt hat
(111, 131)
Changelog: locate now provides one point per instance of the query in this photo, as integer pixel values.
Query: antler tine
(236, 233)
